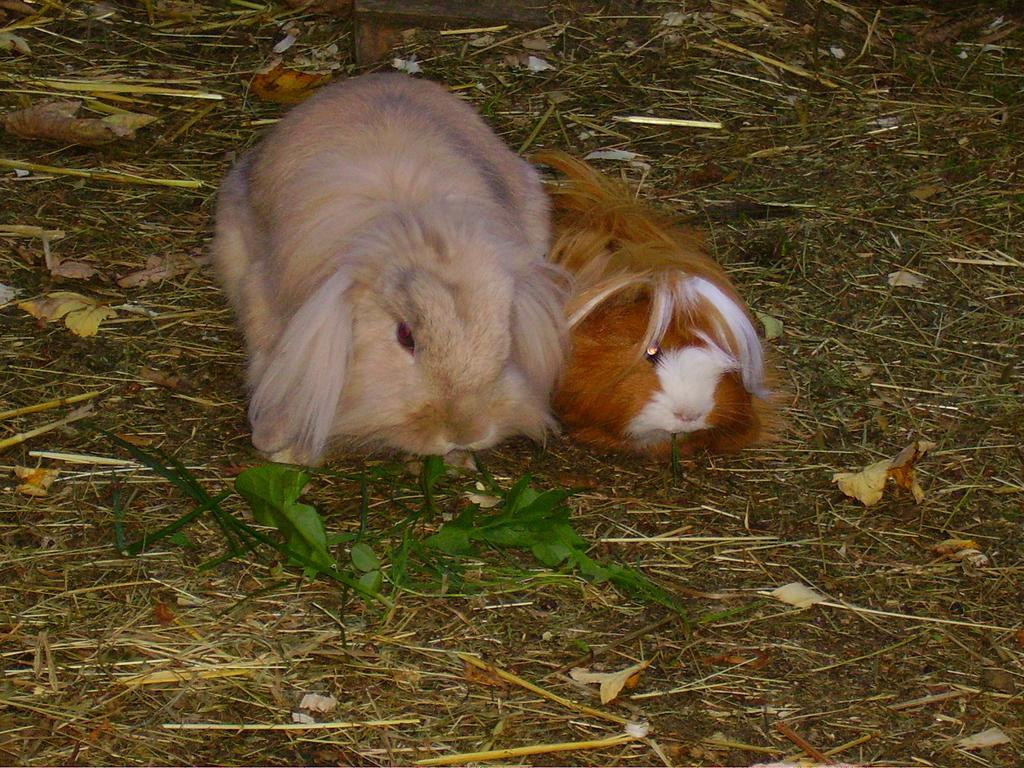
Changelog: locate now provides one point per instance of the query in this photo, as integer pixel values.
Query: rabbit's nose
(472, 432)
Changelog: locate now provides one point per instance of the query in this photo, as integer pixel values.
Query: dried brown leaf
(157, 268)
(166, 380)
(902, 469)
(15, 43)
(903, 279)
(316, 702)
(475, 674)
(163, 613)
(962, 550)
(76, 270)
(35, 481)
(82, 314)
(798, 594)
(990, 737)
(282, 85)
(611, 683)
(56, 121)
(926, 192)
(868, 485)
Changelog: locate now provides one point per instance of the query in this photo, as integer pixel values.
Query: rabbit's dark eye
(653, 353)
(404, 336)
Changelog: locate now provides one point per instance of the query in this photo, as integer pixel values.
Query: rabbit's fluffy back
(379, 142)
(385, 199)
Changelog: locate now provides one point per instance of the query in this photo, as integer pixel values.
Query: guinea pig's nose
(688, 414)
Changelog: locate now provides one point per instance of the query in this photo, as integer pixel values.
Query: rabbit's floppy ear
(539, 327)
(295, 400)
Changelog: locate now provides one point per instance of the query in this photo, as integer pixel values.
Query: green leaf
(269, 489)
(272, 491)
(371, 581)
(509, 536)
(591, 569)
(363, 557)
(452, 540)
(545, 503)
(180, 539)
(564, 534)
(551, 553)
(519, 495)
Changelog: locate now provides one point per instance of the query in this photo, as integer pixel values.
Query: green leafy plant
(523, 519)
(539, 522)
(272, 491)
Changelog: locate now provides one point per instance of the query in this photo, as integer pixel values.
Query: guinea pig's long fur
(384, 203)
(627, 259)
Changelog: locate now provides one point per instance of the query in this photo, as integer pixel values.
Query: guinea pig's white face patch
(688, 378)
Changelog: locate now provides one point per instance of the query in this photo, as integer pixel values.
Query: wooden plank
(373, 41)
(445, 13)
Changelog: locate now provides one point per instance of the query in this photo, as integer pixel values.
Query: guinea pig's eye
(653, 353)
(404, 336)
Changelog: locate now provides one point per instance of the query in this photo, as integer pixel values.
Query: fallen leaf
(303, 717)
(952, 546)
(282, 85)
(537, 44)
(7, 293)
(868, 485)
(482, 41)
(125, 124)
(537, 64)
(772, 326)
(905, 279)
(35, 481)
(798, 594)
(990, 737)
(56, 121)
(76, 270)
(475, 674)
(157, 268)
(996, 679)
(611, 154)
(674, 19)
(754, 659)
(482, 499)
(82, 314)
(136, 440)
(902, 469)
(165, 380)
(285, 43)
(886, 123)
(611, 683)
(962, 550)
(315, 702)
(163, 613)
(410, 66)
(638, 729)
(926, 192)
(15, 43)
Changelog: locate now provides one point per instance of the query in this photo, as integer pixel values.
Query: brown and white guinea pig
(384, 254)
(662, 344)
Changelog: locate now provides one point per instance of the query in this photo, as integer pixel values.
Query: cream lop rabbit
(384, 253)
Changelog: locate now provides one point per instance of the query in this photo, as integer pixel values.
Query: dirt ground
(864, 189)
